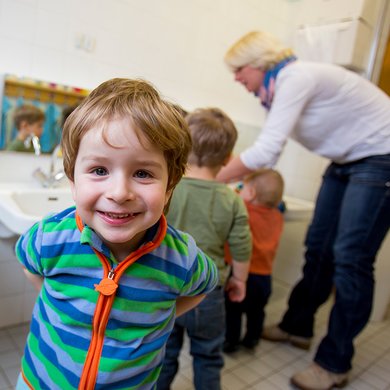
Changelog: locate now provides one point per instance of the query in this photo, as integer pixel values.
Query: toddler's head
(213, 136)
(264, 187)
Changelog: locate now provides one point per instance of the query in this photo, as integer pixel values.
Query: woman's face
(251, 78)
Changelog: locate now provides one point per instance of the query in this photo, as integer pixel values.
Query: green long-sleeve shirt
(214, 215)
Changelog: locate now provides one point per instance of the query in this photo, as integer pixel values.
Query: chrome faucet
(54, 177)
(32, 138)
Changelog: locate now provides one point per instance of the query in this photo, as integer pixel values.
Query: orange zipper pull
(107, 286)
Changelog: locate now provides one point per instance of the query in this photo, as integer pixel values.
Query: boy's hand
(236, 289)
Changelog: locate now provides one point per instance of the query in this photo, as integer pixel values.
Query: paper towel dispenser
(346, 39)
(345, 43)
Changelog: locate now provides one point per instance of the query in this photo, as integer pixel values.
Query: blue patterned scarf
(267, 89)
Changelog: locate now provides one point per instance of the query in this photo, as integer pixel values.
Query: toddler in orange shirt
(262, 193)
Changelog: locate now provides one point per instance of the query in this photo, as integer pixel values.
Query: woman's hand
(235, 170)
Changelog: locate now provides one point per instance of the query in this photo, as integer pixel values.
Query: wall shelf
(43, 91)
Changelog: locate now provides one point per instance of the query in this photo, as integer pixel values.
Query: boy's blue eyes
(140, 174)
(100, 171)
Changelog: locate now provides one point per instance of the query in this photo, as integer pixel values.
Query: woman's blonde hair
(151, 117)
(257, 49)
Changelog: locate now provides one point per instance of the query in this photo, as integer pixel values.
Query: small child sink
(40, 203)
(20, 208)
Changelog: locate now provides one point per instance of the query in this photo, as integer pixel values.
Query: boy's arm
(184, 304)
(240, 246)
(236, 284)
(35, 280)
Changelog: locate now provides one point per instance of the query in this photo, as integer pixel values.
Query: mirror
(55, 100)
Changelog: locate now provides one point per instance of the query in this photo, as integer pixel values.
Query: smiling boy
(113, 274)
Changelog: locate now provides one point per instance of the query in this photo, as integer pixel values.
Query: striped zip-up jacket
(97, 323)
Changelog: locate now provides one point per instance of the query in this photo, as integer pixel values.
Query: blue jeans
(351, 219)
(205, 326)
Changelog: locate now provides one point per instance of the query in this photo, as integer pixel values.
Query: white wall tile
(12, 279)
(12, 305)
(51, 29)
(18, 20)
(47, 64)
(15, 56)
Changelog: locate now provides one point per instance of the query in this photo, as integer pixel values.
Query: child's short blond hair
(151, 116)
(213, 136)
(268, 185)
(27, 113)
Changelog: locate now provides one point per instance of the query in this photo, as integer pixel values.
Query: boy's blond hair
(151, 116)
(268, 185)
(257, 49)
(27, 113)
(213, 136)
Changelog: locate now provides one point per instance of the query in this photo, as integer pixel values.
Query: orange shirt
(266, 226)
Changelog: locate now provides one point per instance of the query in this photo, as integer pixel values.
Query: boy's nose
(121, 190)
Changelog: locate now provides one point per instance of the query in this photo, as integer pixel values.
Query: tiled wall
(176, 44)
(17, 295)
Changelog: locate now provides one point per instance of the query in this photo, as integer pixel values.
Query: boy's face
(119, 193)
(35, 128)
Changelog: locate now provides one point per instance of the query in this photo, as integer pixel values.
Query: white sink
(297, 209)
(40, 203)
(20, 208)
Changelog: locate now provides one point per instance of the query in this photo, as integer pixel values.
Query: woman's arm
(235, 170)
(294, 90)
(184, 304)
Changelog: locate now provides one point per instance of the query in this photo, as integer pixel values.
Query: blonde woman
(339, 115)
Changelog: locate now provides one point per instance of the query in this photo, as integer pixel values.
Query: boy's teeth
(118, 215)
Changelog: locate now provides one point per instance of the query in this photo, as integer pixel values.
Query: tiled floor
(267, 368)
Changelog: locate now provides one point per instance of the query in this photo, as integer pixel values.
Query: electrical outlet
(84, 42)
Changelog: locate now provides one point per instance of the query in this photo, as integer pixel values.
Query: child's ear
(72, 189)
(168, 195)
(227, 159)
(250, 193)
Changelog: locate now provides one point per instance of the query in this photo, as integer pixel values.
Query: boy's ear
(227, 159)
(168, 195)
(251, 193)
(72, 189)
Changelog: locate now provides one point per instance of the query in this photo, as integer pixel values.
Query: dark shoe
(274, 333)
(229, 347)
(317, 378)
(249, 343)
